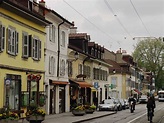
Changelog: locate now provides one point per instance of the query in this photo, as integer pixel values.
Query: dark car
(122, 103)
(126, 103)
(119, 105)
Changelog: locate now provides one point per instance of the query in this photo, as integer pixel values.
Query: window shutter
(1, 33)
(25, 45)
(49, 64)
(3, 38)
(16, 42)
(33, 48)
(50, 32)
(39, 42)
(8, 40)
(30, 46)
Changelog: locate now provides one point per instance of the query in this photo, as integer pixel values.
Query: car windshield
(108, 101)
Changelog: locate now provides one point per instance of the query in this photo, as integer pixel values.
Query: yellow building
(22, 38)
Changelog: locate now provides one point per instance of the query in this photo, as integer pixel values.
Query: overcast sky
(114, 23)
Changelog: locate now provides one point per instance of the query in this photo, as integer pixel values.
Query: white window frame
(63, 38)
(52, 35)
(2, 37)
(12, 41)
(52, 65)
(25, 44)
(80, 69)
(36, 49)
(62, 67)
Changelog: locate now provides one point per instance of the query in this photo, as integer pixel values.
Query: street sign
(96, 85)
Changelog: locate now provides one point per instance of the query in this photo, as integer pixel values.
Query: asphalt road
(139, 116)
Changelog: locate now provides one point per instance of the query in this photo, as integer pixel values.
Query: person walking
(150, 108)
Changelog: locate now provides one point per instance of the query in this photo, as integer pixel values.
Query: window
(114, 82)
(36, 49)
(25, 43)
(62, 68)
(2, 38)
(63, 39)
(51, 65)
(12, 41)
(70, 69)
(92, 52)
(52, 31)
(80, 69)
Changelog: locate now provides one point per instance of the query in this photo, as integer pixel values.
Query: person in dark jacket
(132, 100)
(150, 106)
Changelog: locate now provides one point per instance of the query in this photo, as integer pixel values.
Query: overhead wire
(139, 17)
(110, 8)
(91, 22)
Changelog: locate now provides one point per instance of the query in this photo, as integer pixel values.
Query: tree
(149, 54)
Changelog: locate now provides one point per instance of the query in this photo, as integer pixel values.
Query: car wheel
(116, 110)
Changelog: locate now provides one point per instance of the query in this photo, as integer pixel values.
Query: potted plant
(35, 114)
(7, 116)
(89, 109)
(79, 110)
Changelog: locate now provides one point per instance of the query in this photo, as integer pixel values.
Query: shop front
(58, 97)
(81, 90)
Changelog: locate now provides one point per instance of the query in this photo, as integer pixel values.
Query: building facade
(22, 36)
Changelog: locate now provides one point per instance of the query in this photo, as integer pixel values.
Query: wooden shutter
(39, 48)
(8, 40)
(16, 42)
(30, 46)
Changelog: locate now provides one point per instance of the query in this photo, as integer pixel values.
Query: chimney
(73, 29)
(42, 3)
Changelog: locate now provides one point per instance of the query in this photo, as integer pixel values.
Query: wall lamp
(76, 57)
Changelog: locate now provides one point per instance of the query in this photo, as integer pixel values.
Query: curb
(87, 119)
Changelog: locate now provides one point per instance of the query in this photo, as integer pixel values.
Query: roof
(20, 10)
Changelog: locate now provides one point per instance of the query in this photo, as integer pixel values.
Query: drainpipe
(59, 47)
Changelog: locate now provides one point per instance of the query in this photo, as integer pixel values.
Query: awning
(59, 83)
(93, 89)
(136, 90)
(84, 84)
(81, 84)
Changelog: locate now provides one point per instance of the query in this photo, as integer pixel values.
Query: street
(139, 116)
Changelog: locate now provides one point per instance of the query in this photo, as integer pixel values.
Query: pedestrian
(73, 102)
(95, 101)
(150, 108)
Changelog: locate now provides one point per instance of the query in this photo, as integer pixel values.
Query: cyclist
(150, 108)
(132, 102)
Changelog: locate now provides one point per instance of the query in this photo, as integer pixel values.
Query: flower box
(78, 112)
(8, 121)
(89, 111)
(35, 119)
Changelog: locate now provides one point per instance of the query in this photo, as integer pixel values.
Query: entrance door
(52, 101)
(61, 99)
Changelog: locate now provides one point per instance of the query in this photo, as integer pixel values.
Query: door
(61, 99)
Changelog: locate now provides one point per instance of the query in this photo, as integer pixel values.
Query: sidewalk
(70, 118)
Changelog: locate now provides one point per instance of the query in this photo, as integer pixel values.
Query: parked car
(126, 103)
(119, 105)
(108, 105)
(143, 99)
(122, 103)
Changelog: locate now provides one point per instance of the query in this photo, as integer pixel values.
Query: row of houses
(44, 60)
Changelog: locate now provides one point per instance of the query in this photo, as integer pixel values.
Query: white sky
(113, 23)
